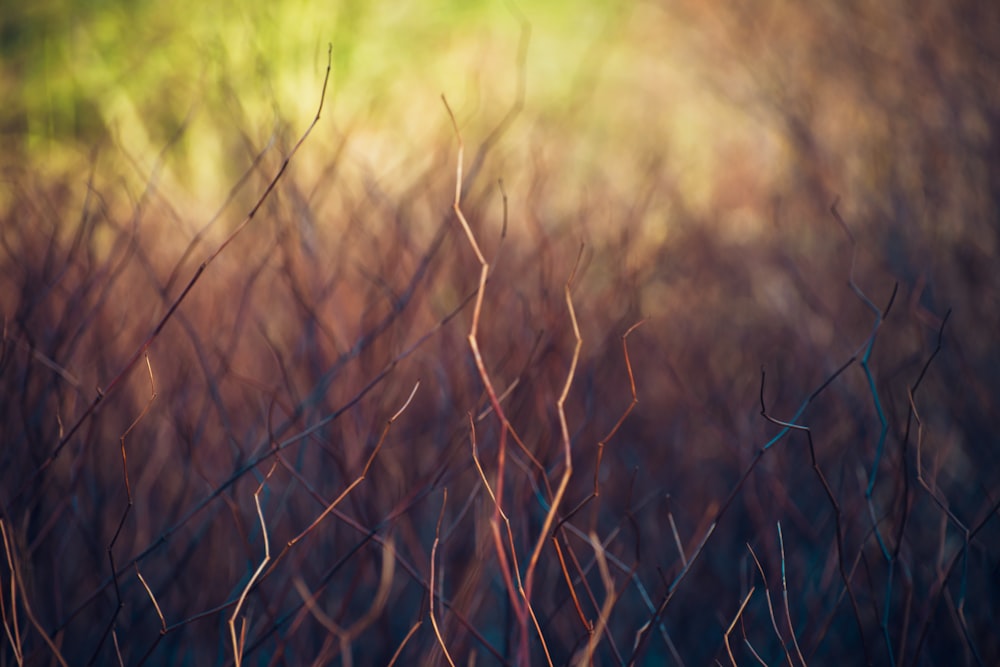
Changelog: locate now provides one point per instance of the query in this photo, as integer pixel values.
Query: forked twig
(564, 427)
(967, 532)
(515, 585)
(497, 540)
(360, 478)
(523, 610)
(239, 643)
(729, 630)
(477, 310)
(128, 508)
(643, 636)
(614, 429)
(844, 576)
(865, 360)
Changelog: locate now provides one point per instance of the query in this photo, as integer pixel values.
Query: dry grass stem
(736, 618)
(17, 586)
(784, 595)
(433, 587)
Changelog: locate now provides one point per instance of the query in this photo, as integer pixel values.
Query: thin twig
(784, 593)
(614, 429)
(609, 602)
(11, 625)
(732, 625)
(844, 576)
(238, 644)
(437, 538)
(643, 638)
(128, 508)
(402, 644)
(770, 605)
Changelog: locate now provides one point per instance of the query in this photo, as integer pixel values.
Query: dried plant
(460, 396)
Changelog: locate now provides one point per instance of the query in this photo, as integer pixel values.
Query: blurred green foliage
(78, 74)
(732, 105)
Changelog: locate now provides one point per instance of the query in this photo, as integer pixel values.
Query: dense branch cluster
(417, 423)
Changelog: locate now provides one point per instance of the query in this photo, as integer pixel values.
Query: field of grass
(653, 333)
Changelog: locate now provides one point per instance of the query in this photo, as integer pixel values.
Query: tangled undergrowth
(450, 417)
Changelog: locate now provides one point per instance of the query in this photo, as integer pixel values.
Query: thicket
(449, 418)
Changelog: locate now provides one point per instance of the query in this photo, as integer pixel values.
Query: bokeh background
(810, 189)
